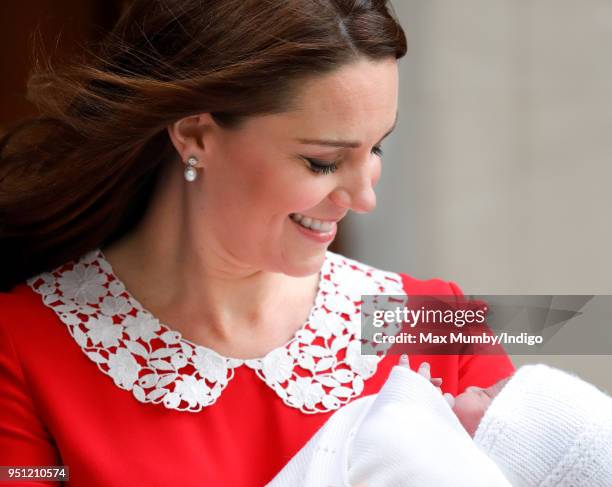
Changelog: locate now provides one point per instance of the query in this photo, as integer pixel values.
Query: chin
(302, 266)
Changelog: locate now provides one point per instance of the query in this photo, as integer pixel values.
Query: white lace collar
(158, 365)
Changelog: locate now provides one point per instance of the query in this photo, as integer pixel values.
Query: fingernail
(403, 360)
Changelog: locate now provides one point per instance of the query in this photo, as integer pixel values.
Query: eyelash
(318, 168)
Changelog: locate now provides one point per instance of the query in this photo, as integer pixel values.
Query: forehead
(359, 86)
(356, 101)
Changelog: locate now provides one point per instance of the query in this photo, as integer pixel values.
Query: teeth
(313, 224)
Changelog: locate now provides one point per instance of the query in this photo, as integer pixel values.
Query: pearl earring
(191, 172)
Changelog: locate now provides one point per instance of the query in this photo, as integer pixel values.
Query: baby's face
(471, 405)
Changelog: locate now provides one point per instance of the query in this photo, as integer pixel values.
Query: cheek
(244, 181)
(292, 188)
(258, 184)
(290, 195)
(309, 196)
(469, 411)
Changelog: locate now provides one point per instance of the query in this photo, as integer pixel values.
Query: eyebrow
(345, 143)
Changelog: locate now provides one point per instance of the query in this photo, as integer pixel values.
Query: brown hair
(80, 175)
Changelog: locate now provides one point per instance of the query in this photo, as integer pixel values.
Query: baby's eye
(377, 150)
(321, 167)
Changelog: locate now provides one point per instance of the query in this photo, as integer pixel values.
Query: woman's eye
(321, 167)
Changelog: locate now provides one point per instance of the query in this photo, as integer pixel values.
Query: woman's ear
(189, 135)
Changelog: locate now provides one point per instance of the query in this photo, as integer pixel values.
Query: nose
(356, 190)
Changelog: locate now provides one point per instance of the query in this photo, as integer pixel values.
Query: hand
(425, 371)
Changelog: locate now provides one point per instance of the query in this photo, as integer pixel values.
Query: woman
(167, 219)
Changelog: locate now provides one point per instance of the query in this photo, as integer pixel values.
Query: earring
(191, 173)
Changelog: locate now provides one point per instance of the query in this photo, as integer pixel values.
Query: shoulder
(25, 321)
(34, 304)
(400, 282)
(25, 438)
(20, 304)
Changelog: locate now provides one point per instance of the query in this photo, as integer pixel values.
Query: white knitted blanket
(545, 428)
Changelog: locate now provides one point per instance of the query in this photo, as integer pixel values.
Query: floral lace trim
(320, 369)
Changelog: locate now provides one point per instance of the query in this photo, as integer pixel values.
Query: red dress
(91, 380)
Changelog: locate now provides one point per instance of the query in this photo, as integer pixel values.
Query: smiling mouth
(312, 223)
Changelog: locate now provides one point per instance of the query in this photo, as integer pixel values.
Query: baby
(539, 427)
(470, 406)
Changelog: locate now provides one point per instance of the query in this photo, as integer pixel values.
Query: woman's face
(256, 180)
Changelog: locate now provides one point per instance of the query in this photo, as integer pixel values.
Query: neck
(186, 279)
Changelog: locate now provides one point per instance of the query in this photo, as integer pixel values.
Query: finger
(449, 399)
(473, 389)
(403, 360)
(425, 370)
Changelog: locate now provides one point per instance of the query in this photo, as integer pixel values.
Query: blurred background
(498, 176)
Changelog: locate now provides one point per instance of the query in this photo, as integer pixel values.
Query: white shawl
(545, 428)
